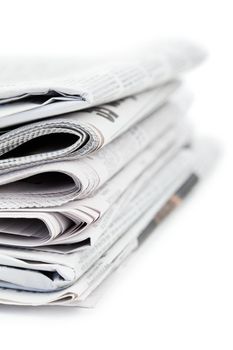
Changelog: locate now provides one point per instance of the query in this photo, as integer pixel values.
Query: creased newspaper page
(59, 182)
(75, 135)
(48, 278)
(28, 96)
(68, 223)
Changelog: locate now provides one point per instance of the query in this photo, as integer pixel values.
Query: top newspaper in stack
(68, 89)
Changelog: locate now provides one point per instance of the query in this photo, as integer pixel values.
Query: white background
(176, 292)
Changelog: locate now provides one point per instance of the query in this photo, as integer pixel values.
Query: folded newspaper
(36, 90)
(91, 159)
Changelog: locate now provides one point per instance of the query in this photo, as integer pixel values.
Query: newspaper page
(75, 135)
(34, 92)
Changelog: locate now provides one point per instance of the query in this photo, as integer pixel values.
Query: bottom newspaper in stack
(75, 247)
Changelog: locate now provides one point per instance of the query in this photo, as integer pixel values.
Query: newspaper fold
(72, 136)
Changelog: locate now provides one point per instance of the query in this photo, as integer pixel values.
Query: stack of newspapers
(92, 157)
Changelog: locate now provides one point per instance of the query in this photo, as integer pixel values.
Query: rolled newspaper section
(72, 136)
